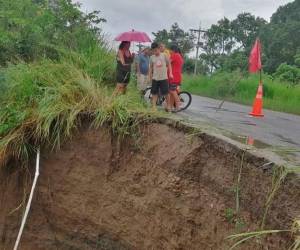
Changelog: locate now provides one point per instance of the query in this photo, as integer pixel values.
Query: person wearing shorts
(176, 61)
(124, 60)
(159, 66)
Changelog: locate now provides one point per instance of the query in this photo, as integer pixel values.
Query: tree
(237, 60)
(227, 43)
(218, 42)
(222, 36)
(246, 28)
(36, 29)
(297, 59)
(281, 37)
(287, 13)
(281, 43)
(189, 66)
(176, 35)
(288, 73)
(162, 36)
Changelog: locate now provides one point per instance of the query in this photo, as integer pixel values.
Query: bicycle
(184, 96)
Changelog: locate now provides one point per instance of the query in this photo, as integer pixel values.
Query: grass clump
(238, 88)
(279, 176)
(45, 102)
(56, 70)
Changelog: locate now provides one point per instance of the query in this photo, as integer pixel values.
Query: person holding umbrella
(124, 60)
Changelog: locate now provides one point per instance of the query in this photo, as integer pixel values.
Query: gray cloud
(154, 15)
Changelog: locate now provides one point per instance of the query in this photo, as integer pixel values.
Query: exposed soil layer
(169, 191)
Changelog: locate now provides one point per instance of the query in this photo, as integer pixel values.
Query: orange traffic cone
(258, 103)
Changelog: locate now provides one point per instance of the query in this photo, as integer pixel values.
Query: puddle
(288, 154)
(248, 140)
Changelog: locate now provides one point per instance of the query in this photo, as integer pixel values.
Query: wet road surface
(279, 130)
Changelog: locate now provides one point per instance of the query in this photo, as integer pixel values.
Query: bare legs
(174, 99)
(154, 101)
(171, 101)
(120, 89)
(167, 105)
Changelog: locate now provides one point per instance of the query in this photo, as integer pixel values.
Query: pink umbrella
(133, 36)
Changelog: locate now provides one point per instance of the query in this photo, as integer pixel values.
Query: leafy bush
(288, 73)
(235, 61)
(297, 59)
(33, 30)
(189, 66)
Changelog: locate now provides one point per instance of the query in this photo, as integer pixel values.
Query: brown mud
(168, 191)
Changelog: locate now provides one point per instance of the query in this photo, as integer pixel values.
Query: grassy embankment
(232, 87)
(44, 103)
(51, 82)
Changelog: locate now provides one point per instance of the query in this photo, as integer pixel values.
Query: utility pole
(198, 45)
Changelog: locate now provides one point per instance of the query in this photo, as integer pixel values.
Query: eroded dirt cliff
(170, 190)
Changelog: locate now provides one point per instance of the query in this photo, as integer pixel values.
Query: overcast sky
(154, 15)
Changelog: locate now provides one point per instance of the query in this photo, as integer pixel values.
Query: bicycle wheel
(185, 100)
(147, 95)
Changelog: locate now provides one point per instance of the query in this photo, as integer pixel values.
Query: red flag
(255, 57)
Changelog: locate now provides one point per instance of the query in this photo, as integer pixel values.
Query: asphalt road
(281, 131)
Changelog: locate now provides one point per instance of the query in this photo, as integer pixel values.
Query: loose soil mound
(167, 191)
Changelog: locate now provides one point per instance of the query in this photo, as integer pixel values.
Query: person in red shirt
(177, 61)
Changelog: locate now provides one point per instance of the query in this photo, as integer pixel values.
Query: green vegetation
(279, 175)
(57, 70)
(45, 102)
(233, 215)
(288, 73)
(56, 73)
(226, 45)
(238, 88)
(185, 40)
(225, 48)
(243, 237)
(229, 215)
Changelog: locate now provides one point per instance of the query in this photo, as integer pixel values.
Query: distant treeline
(226, 45)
